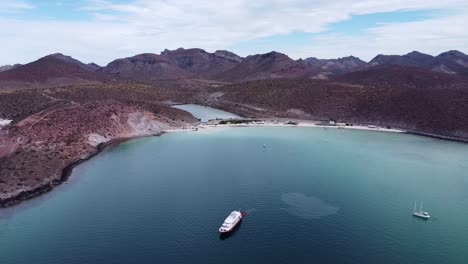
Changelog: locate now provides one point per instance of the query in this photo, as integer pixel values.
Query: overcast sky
(100, 30)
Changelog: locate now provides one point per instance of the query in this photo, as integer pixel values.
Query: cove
(313, 195)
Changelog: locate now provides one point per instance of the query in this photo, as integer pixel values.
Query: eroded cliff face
(35, 151)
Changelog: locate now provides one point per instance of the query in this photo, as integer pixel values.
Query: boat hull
(425, 217)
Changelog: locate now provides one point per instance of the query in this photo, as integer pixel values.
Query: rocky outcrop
(35, 151)
(328, 67)
(228, 55)
(143, 123)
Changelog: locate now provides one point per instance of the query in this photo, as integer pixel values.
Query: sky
(102, 30)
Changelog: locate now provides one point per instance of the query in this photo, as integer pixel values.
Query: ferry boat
(421, 214)
(231, 221)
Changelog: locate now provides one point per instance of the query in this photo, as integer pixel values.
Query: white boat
(421, 214)
(231, 221)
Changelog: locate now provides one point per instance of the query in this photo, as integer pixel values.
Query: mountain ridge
(452, 62)
(54, 69)
(221, 65)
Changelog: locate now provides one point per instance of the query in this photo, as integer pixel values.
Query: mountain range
(58, 69)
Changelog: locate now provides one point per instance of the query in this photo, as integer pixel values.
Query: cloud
(118, 30)
(7, 6)
(432, 36)
(100, 5)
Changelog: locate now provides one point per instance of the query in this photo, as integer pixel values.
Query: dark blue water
(312, 196)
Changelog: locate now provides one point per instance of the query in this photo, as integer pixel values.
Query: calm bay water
(312, 196)
(206, 113)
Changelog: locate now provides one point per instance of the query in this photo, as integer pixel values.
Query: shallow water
(205, 113)
(312, 195)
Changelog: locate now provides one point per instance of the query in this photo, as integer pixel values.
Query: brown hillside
(52, 70)
(439, 111)
(265, 66)
(394, 76)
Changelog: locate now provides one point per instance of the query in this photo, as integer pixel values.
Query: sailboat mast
(420, 208)
(414, 209)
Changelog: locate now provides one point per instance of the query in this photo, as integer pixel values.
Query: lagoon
(206, 113)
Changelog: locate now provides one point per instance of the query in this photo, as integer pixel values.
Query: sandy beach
(216, 124)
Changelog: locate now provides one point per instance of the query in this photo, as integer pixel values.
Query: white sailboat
(421, 214)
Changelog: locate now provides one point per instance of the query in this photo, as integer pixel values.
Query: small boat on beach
(232, 221)
(421, 214)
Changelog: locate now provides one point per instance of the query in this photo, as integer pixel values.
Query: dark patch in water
(307, 207)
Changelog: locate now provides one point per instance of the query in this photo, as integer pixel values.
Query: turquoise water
(206, 113)
(312, 196)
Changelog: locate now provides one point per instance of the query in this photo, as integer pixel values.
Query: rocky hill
(173, 65)
(199, 64)
(146, 67)
(395, 76)
(453, 62)
(330, 67)
(50, 71)
(202, 64)
(265, 66)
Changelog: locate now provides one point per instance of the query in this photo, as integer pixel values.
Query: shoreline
(65, 173)
(212, 124)
(284, 123)
(281, 122)
(436, 136)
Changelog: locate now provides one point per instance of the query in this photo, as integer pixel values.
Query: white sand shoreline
(282, 123)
